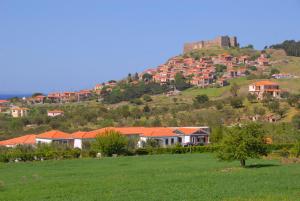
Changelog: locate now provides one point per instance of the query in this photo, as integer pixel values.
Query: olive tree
(242, 142)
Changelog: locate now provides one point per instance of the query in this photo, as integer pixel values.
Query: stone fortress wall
(220, 41)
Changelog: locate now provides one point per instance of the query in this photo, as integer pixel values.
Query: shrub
(201, 98)
(147, 98)
(236, 102)
(141, 151)
(111, 142)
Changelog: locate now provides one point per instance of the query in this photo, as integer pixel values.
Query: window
(179, 139)
(172, 140)
(167, 141)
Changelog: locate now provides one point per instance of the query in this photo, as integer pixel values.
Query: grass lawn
(158, 177)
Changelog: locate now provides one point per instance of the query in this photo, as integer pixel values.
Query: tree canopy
(242, 142)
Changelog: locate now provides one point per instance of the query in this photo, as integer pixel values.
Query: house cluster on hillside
(203, 72)
(165, 136)
(7, 108)
(61, 97)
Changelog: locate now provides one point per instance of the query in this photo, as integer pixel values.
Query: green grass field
(158, 177)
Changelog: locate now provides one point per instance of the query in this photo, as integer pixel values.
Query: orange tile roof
(81, 134)
(187, 130)
(4, 101)
(143, 131)
(26, 139)
(54, 134)
(265, 82)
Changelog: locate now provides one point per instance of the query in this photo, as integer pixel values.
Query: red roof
(26, 139)
(187, 130)
(265, 82)
(4, 101)
(54, 134)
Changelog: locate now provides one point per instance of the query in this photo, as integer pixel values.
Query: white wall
(78, 143)
(39, 140)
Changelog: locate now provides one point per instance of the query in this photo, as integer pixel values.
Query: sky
(55, 45)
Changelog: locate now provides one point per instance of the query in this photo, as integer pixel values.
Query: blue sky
(55, 45)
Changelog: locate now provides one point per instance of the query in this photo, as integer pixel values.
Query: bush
(236, 102)
(147, 98)
(111, 142)
(141, 151)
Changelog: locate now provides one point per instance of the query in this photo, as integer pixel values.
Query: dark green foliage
(274, 71)
(41, 152)
(234, 89)
(273, 105)
(136, 101)
(236, 102)
(253, 68)
(181, 82)
(147, 98)
(217, 134)
(296, 121)
(201, 99)
(241, 143)
(293, 100)
(146, 109)
(147, 77)
(111, 142)
(291, 47)
(252, 98)
(126, 92)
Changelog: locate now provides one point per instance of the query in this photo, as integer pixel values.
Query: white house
(262, 88)
(54, 113)
(166, 136)
(54, 136)
(17, 112)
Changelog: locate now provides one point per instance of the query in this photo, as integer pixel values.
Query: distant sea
(8, 96)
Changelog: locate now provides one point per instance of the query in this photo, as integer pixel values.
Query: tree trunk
(243, 162)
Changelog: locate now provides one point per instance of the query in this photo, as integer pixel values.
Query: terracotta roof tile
(54, 134)
(26, 139)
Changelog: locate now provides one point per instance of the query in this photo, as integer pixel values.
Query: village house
(54, 136)
(55, 113)
(17, 112)
(165, 136)
(282, 76)
(4, 106)
(266, 87)
(263, 60)
(23, 140)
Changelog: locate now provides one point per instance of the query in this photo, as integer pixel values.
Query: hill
(159, 108)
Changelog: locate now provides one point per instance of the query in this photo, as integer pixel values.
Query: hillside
(178, 109)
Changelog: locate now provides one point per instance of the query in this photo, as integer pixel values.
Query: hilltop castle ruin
(220, 41)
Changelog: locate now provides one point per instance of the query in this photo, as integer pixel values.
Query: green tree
(234, 89)
(296, 121)
(252, 98)
(129, 78)
(110, 142)
(147, 77)
(217, 134)
(201, 98)
(147, 98)
(274, 71)
(241, 143)
(146, 109)
(236, 102)
(180, 82)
